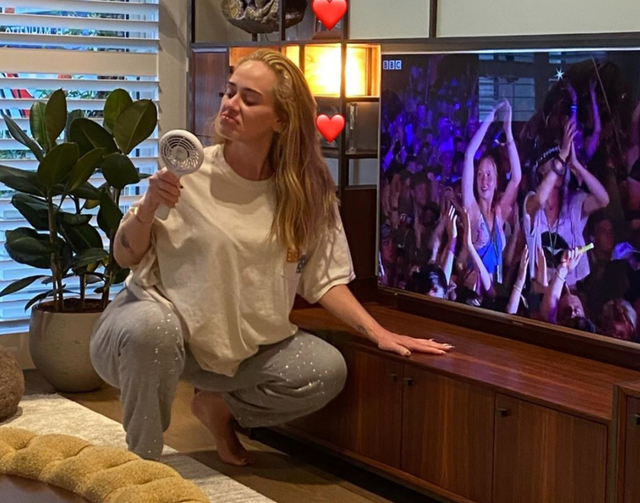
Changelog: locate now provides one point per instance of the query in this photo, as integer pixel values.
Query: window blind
(88, 48)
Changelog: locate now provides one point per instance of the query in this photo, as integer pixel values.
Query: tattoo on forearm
(125, 242)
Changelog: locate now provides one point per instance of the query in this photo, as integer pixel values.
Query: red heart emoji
(329, 12)
(330, 128)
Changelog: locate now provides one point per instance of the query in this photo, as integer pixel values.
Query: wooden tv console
(494, 421)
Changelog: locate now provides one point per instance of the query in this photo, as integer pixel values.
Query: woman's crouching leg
(301, 375)
(138, 347)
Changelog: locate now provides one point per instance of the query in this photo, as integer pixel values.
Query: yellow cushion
(97, 473)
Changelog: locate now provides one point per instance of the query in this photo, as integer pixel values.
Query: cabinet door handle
(394, 377)
(503, 412)
(409, 381)
(636, 418)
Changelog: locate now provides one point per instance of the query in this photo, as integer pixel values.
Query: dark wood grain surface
(21, 490)
(631, 388)
(632, 452)
(209, 76)
(565, 382)
(447, 435)
(358, 212)
(366, 417)
(545, 456)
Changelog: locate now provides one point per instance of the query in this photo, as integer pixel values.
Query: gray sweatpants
(138, 347)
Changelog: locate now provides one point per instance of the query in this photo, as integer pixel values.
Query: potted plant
(62, 239)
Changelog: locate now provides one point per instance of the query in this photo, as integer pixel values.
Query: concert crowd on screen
(539, 217)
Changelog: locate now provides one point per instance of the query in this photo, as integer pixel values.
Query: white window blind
(88, 48)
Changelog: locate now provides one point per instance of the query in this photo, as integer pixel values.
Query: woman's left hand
(576, 167)
(404, 344)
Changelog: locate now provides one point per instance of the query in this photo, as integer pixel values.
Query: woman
(488, 214)
(559, 212)
(212, 287)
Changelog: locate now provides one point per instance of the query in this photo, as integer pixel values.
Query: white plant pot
(59, 346)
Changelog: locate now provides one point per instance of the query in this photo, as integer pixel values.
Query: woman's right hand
(570, 259)
(570, 131)
(164, 188)
(491, 116)
(452, 224)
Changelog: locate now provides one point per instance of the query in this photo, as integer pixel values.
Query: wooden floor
(284, 471)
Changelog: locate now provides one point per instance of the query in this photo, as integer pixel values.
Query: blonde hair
(306, 200)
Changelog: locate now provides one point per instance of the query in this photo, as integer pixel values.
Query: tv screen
(510, 181)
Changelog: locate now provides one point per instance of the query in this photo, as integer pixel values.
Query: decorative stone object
(11, 384)
(262, 16)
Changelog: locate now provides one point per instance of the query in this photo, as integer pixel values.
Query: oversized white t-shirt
(211, 263)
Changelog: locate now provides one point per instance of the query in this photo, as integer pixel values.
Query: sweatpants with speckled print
(138, 347)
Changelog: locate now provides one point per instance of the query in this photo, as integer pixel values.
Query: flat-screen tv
(510, 181)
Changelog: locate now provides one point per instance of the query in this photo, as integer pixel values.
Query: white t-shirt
(570, 226)
(211, 263)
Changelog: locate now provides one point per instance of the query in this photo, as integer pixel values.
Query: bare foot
(212, 411)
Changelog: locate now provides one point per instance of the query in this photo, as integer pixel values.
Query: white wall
(380, 19)
(389, 18)
(469, 18)
(173, 64)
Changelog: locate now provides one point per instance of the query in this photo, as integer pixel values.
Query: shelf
(335, 100)
(268, 43)
(362, 154)
(334, 153)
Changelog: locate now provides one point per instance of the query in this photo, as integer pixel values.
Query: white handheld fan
(182, 154)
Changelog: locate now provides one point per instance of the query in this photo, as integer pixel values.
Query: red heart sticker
(329, 12)
(330, 128)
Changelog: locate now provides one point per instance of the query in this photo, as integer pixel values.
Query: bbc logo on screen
(392, 64)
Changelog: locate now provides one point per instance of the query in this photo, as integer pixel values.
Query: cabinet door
(366, 417)
(447, 433)
(208, 78)
(546, 456)
(632, 452)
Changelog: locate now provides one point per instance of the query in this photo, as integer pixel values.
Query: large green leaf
(43, 296)
(37, 125)
(89, 135)
(55, 116)
(26, 246)
(16, 286)
(81, 237)
(65, 218)
(33, 209)
(21, 180)
(120, 276)
(89, 256)
(84, 168)
(117, 101)
(119, 171)
(49, 279)
(94, 278)
(19, 135)
(57, 164)
(110, 215)
(135, 124)
(66, 257)
(38, 298)
(72, 116)
(87, 191)
(91, 203)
